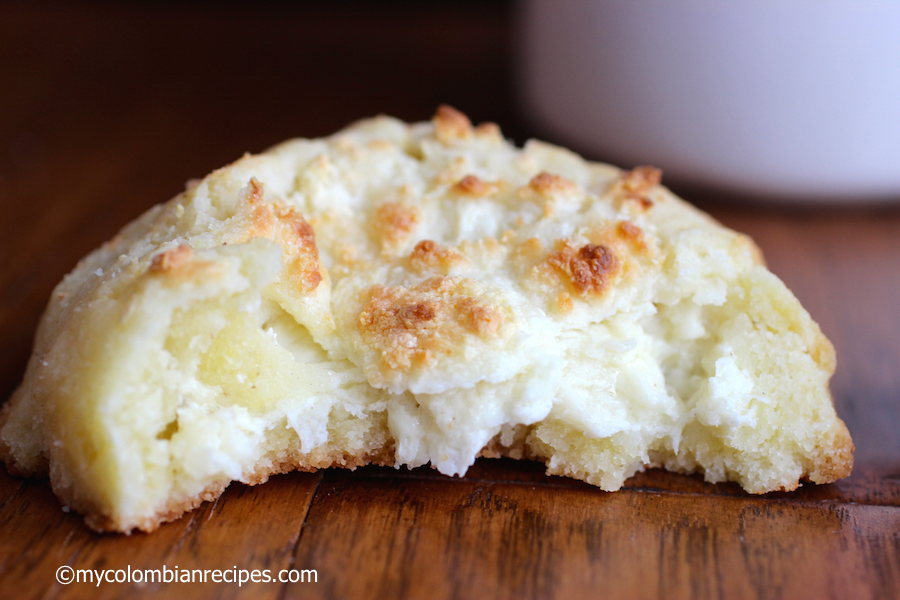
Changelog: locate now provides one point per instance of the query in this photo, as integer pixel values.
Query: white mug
(787, 99)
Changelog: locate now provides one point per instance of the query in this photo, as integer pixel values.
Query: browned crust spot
(171, 259)
(641, 180)
(629, 230)
(633, 186)
(450, 124)
(298, 239)
(489, 131)
(429, 255)
(394, 222)
(590, 269)
(550, 186)
(564, 304)
(289, 229)
(530, 249)
(415, 326)
(471, 185)
(632, 234)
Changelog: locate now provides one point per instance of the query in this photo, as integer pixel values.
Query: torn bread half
(406, 294)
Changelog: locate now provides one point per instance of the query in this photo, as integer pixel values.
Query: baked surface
(411, 294)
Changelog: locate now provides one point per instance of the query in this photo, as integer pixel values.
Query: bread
(411, 294)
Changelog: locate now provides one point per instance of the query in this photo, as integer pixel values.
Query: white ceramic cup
(782, 99)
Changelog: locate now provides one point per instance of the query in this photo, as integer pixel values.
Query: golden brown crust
(550, 186)
(394, 223)
(530, 249)
(641, 180)
(634, 235)
(635, 185)
(301, 259)
(430, 256)
(285, 226)
(450, 124)
(564, 304)
(472, 186)
(590, 269)
(413, 326)
(489, 131)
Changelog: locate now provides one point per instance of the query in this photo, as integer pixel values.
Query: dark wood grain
(243, 529)
(107, 109)
(424, 538)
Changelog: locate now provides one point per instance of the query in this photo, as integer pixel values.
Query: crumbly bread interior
(412, 294)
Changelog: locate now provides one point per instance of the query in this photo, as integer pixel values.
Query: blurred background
(203, 82)
(792, 101)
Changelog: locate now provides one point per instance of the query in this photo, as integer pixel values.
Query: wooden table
(105, 111)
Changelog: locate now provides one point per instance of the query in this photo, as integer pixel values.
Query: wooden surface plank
(504, 531)
(246, 528)
(108, 109)
(423, 538)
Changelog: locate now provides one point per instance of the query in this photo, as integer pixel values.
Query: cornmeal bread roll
(411, 294)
